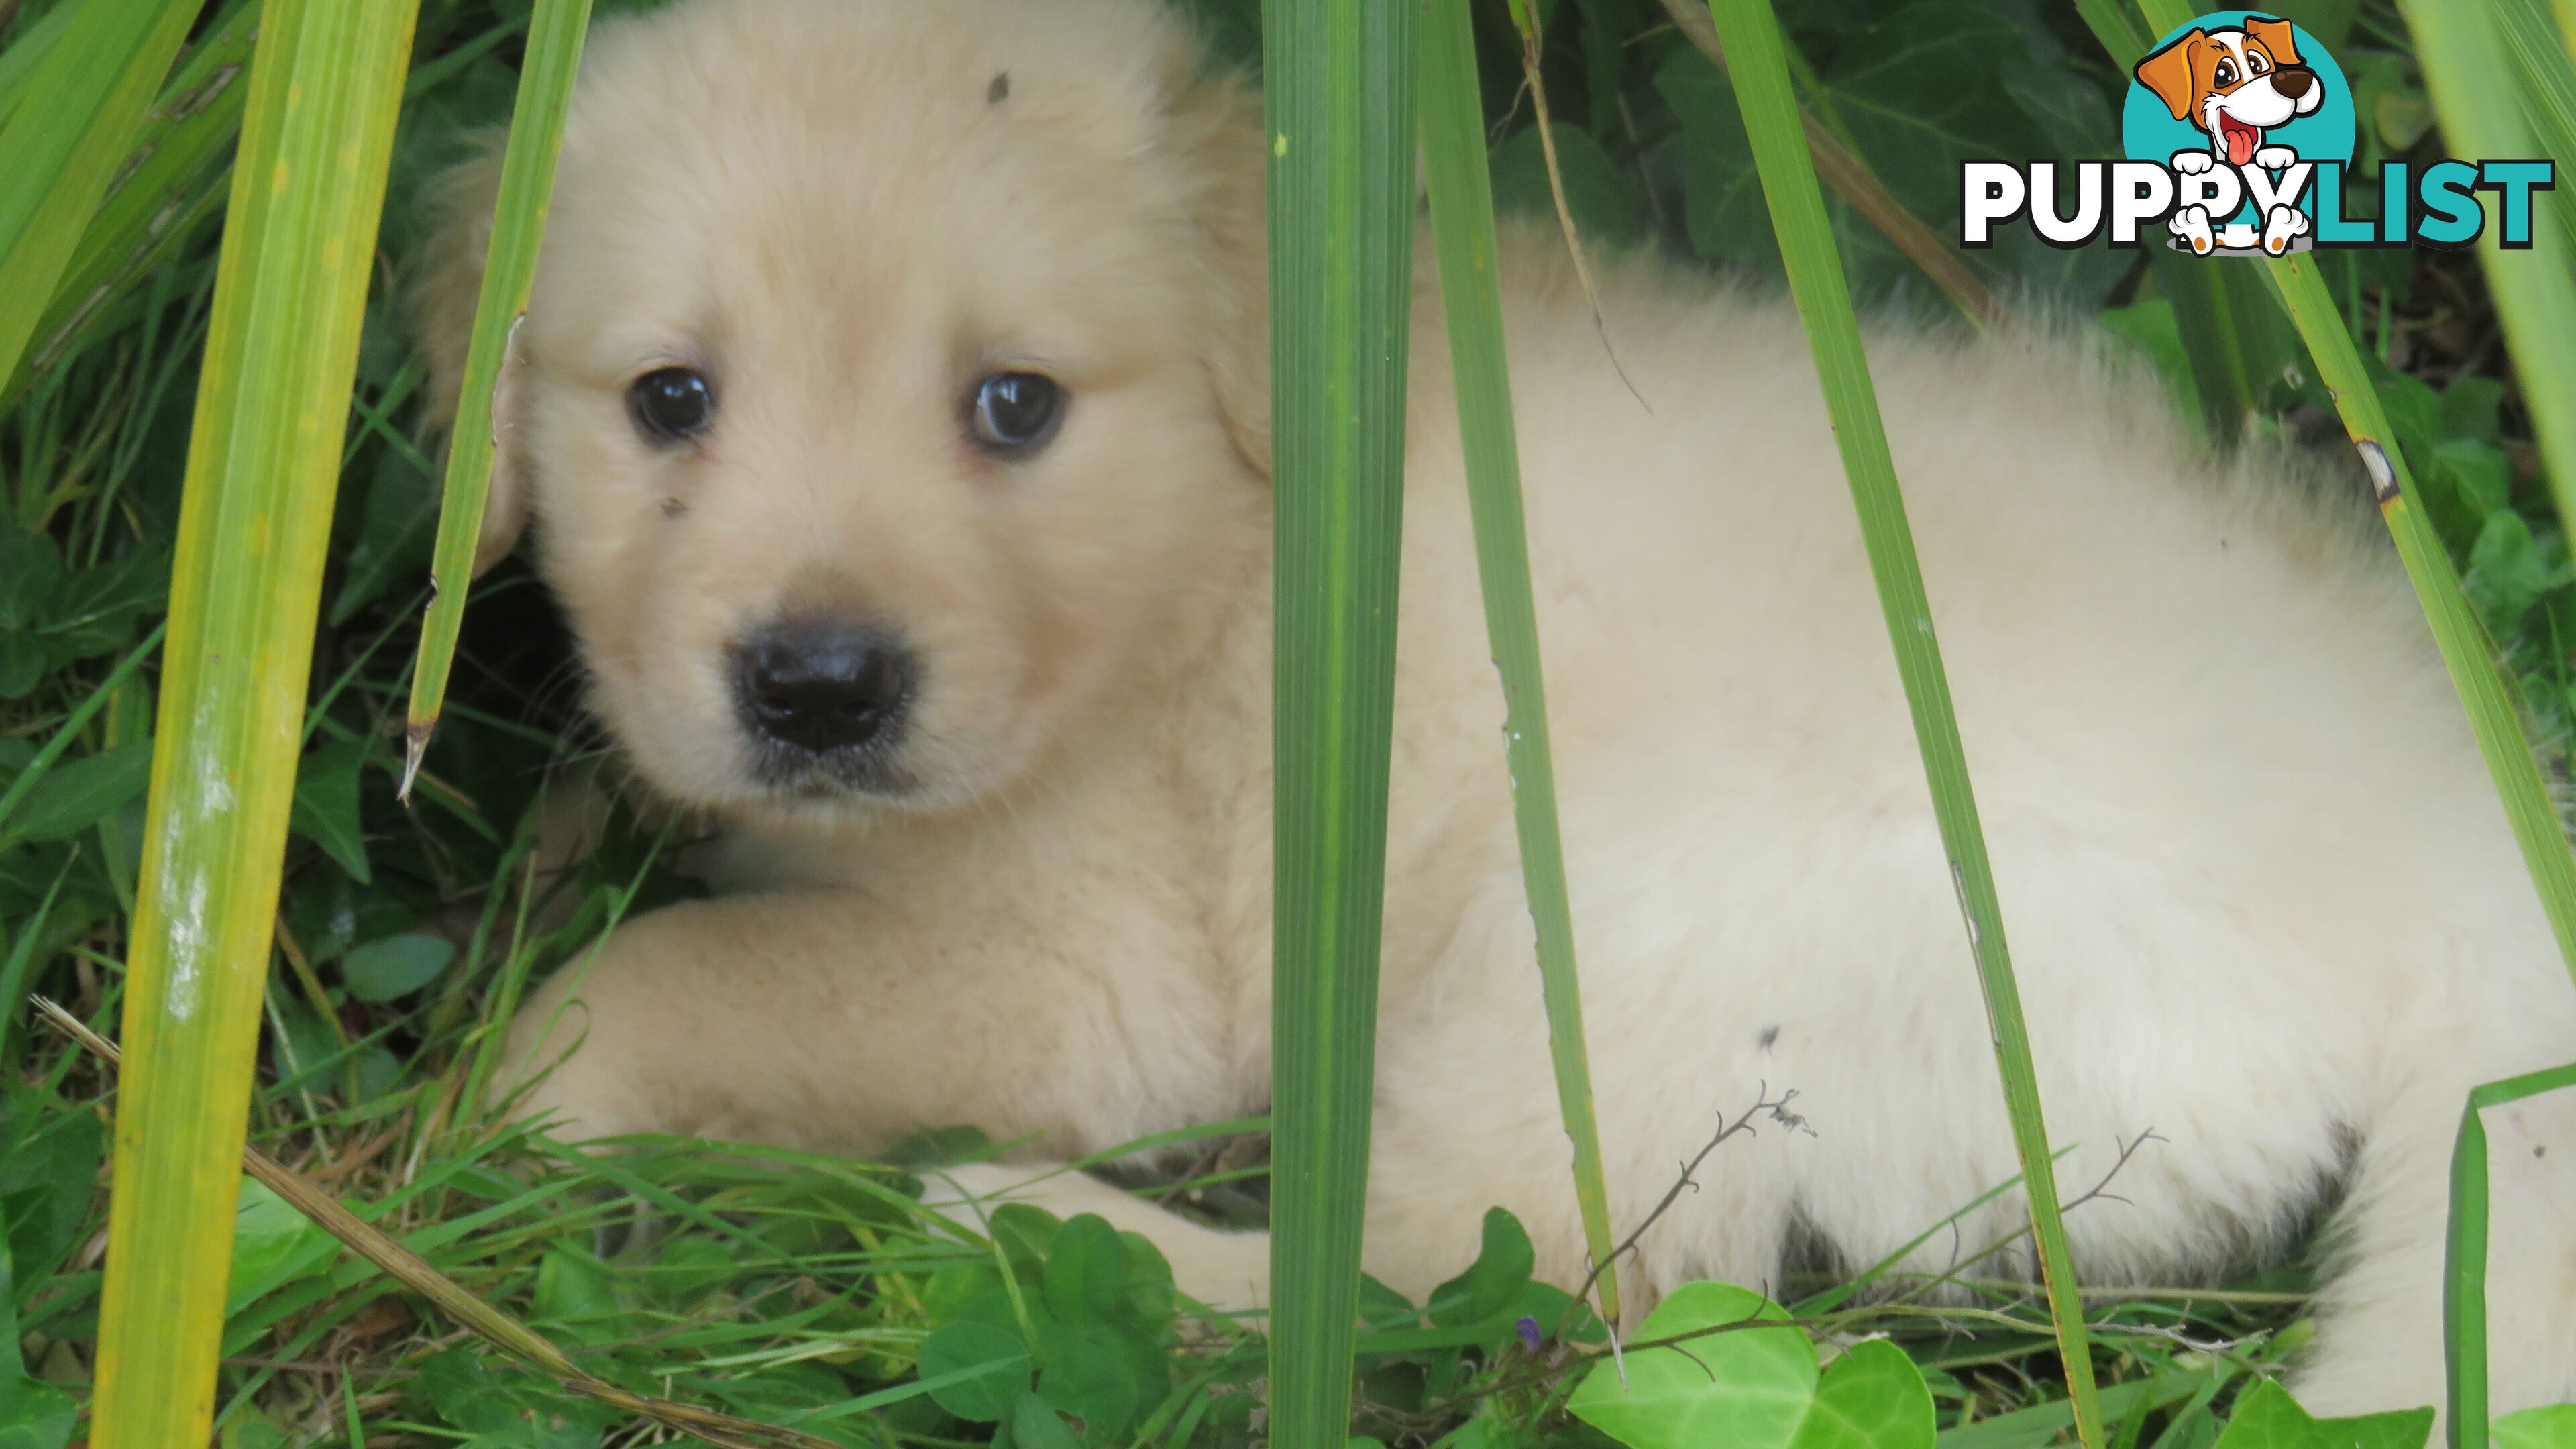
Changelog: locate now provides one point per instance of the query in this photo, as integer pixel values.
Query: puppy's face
(892, 377)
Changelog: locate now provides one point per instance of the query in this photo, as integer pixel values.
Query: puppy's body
(2261, 897)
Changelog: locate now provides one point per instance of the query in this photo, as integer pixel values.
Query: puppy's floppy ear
(2169, 72)
(1214, 126)
(448, 282)
(2279, 40)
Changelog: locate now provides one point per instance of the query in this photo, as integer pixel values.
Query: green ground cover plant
(810, 1298)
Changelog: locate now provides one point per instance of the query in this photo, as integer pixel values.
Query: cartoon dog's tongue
(2241, 140)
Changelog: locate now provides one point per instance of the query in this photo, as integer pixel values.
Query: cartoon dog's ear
(2279, 38)
(448, 281)
(2168, 72)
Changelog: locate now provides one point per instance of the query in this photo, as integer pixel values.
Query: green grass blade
(2543, 69)
(263, 463)
(172, 184)
(1338, 96)
(1751, 35)
(2464, 1264)
(65, 141)
(1462, 226)
(556, 31)
(2465, 67)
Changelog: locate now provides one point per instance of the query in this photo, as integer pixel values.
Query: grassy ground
(811, 1290)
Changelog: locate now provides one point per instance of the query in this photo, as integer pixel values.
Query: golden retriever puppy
(892, 412)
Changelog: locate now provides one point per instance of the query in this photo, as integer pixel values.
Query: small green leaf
(2479, 470)
(996, 1364)
(2266, 1417)
(396, 966)
(2551, 1428)
(1086, 1269)
(2400, 1429)
(73, 796)
(1872, 1398)
(1503, 1264)
(1748, 1388)
(30, 565)
(273, 1246)
(2507, 574)
(573, 1289)
(35, 1415)
(1035, 1426)
(22, 663)
(326, 805)
(1089, 1375)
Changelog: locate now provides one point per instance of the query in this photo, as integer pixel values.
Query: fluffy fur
(2261, 895)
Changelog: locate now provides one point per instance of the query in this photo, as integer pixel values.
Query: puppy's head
(895, 371)
(2234, 83)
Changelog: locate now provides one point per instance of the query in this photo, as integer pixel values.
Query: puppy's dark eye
(671, 403)
(2254, 65)
(2226, 75)
(1015, 412)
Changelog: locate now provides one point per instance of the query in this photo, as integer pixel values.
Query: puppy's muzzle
(822, 687)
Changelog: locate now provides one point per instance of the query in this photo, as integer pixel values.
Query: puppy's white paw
(2192, 163)
(2276, 158)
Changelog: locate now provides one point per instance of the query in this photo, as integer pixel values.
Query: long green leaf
(2546, 75)
(1751, 35)
(1338, 97)
(2482, 112)
(263, 463)
(556, 31)
(64, 139)
(2464, 1265)
(173, 182)
(1462, 226)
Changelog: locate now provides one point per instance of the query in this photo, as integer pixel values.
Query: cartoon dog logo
(2234, 84)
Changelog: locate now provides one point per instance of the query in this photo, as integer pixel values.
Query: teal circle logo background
(2149, 132)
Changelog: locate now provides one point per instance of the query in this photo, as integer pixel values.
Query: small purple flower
(1527, 1328)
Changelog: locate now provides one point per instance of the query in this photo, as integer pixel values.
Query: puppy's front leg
(830, 1020)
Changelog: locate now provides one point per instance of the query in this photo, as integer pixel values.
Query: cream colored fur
(2261, 896)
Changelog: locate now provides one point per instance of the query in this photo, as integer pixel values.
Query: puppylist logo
(2239, 129)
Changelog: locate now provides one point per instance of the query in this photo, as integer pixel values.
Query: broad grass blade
(263, 464)
(2464, 1263)
(65, 141)
(1338, 95)
(1462, 227)
(1751, 35)
(555, 35)
(2481, 105)
(172, 182)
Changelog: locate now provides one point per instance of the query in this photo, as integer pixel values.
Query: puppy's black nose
(818, 685)
(2292, 81)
